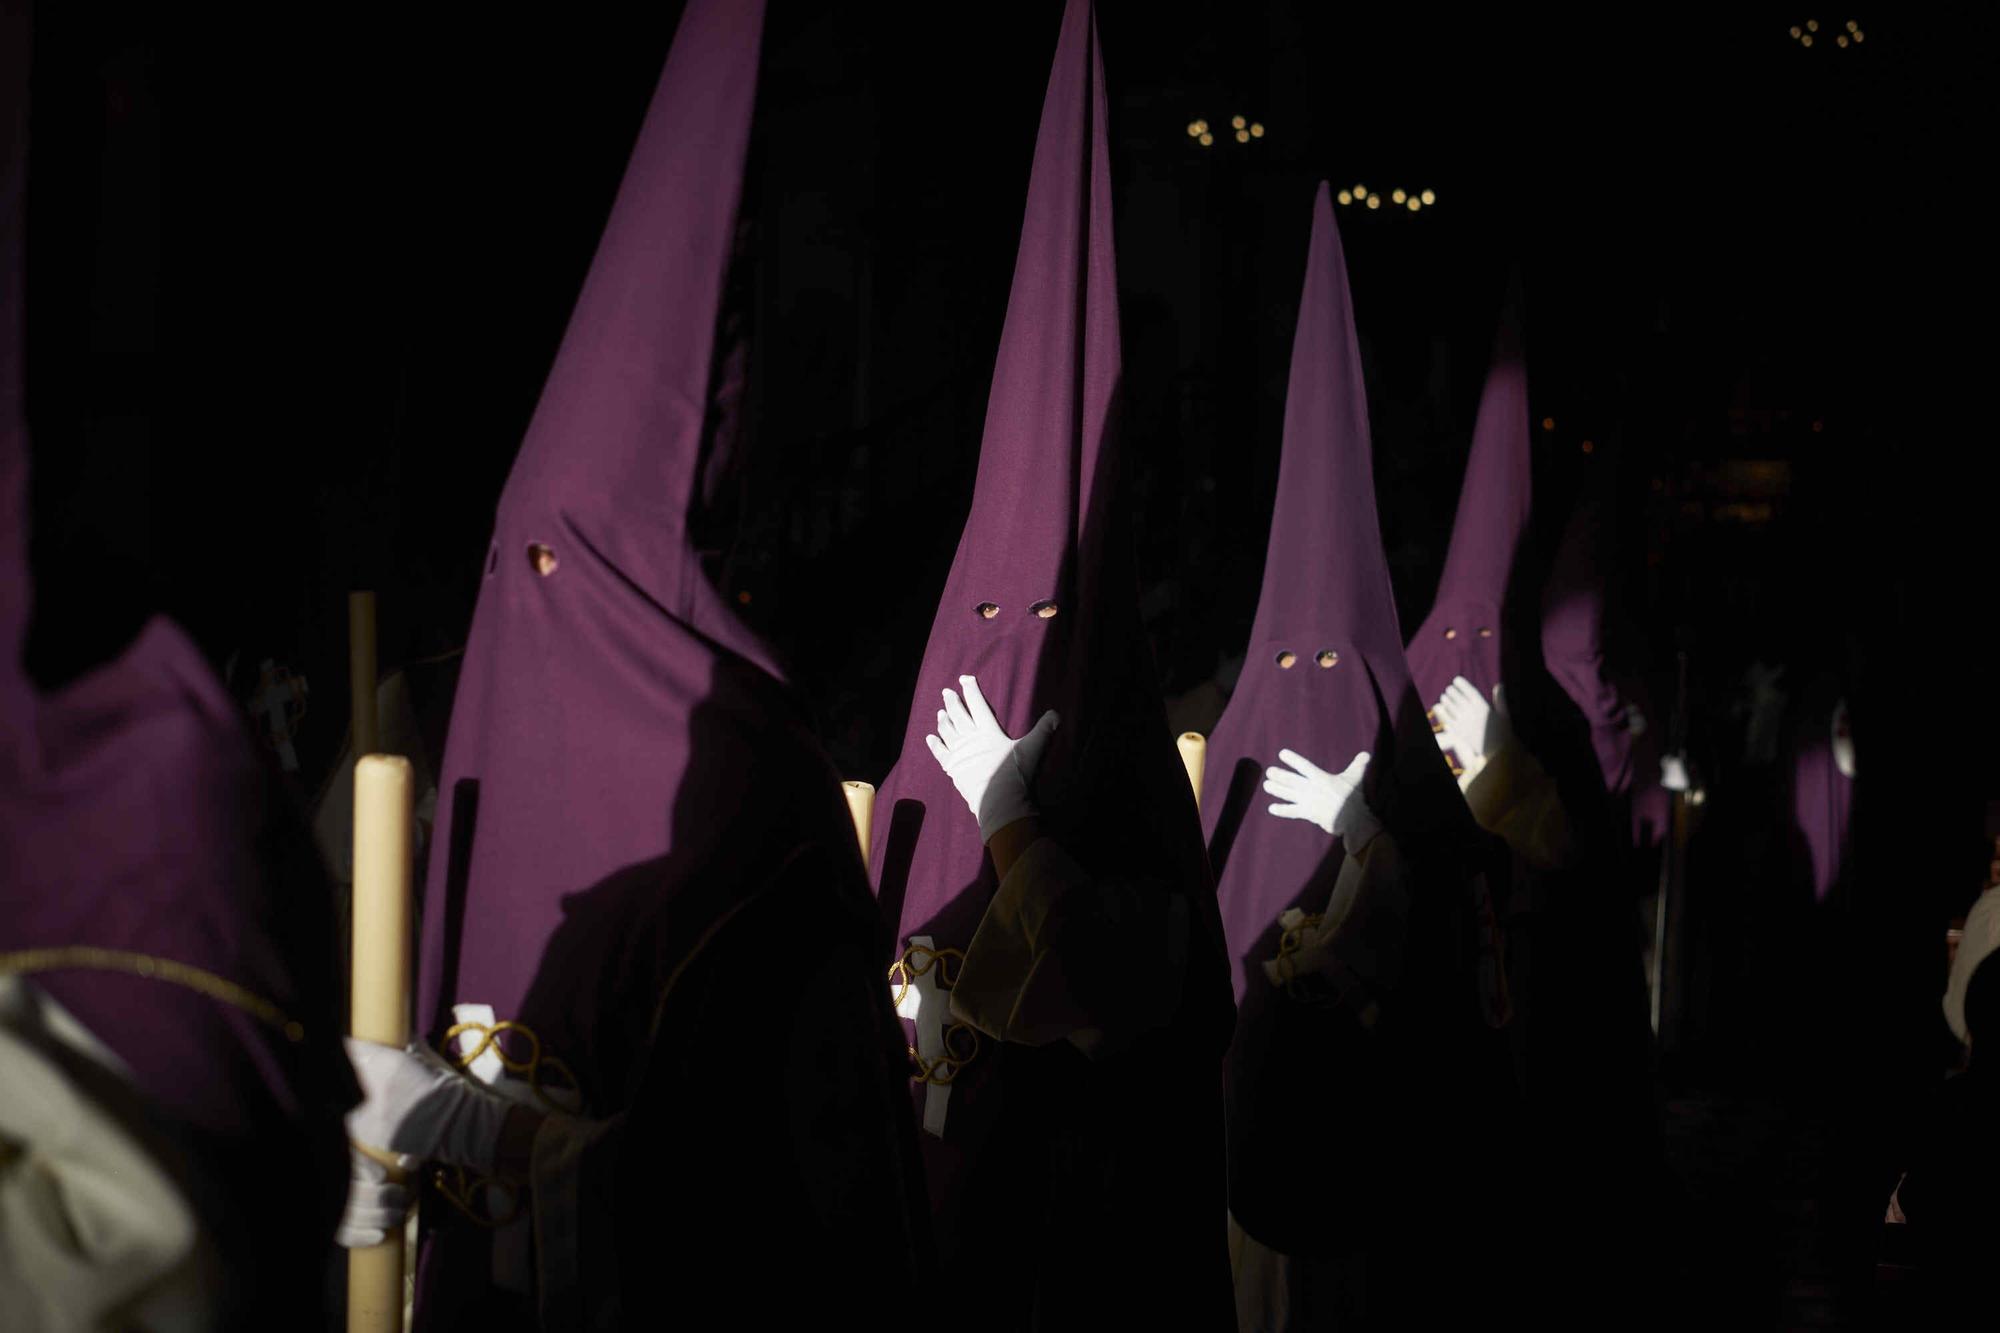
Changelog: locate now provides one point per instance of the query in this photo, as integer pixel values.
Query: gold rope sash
(86, 957)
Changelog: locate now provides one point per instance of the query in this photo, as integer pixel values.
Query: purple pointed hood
(1325, 661)
(1462, 633)
(142, 883)
(1040, 603)
(624, 764)
(1044, 536)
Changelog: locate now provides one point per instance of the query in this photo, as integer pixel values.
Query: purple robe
(1062, 1185)
(630, 788)
(146, 857)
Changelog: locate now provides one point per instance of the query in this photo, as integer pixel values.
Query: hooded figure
(1462, 635)
(1069, 1188)
(646, 920)
(1575, 608)
(1589, 1146)
(1327, 1094)
(169, 1029)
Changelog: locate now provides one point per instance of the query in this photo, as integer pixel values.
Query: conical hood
(1039, 601)
(615, 725)
(1325, 662)
(1462, 633)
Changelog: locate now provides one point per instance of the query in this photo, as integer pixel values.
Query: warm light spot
(1807, 39)
(1194, 129)
(1840, 42)
(1548, 423)
(1398, 195)
(1852, 26)
(1589, 448)
(1243, 136)
(1812, 25)
(1374, 201)
(1200, 127)
(1795, 32)
(1416, 204)
(1237, 122)
(1361, 192)
(1451, 634)
(1287, 659)
(1345, 197)
(1208, 141)
(1859, 35)
(1429, 198)
(1256, 130)
(1818, 426)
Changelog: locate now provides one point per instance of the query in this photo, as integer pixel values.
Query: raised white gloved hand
(991, 769)
(1674, 772)
(1330, 800)
(415, 1103)
(376, 1205)
(1468, 726)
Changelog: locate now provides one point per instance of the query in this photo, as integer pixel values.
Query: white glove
(1674, 772)
(413, 1102)
(990, 768)
(376, 1205)
(1330, 800)
(1468, 726)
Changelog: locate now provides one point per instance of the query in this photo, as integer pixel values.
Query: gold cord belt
(961, 1042)
(85, 957)
(464, 1190)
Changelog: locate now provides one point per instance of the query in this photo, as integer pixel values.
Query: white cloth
(1981, 938)
(94, 1232)
(928, 1007)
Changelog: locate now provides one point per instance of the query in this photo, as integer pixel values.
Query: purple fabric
(628, 779)
(1326, 590)
(1296, 1074)
(571, 732)
(135, 816)
(1573, 636)
(1462, 633)
(1136, 1223)
(1046, 448)
(1821, 801)
(1822, 797)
